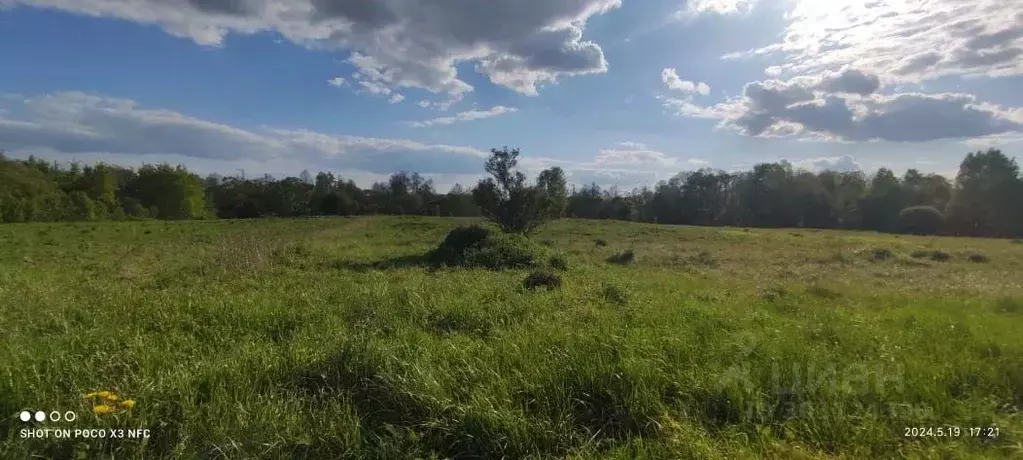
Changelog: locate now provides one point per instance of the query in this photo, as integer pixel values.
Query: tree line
(984, 199)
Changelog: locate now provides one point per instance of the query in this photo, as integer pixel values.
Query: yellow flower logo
(108, 402)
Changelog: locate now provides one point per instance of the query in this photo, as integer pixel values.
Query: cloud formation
(906, 41)
(844, 106)
(631, 154)
(395, 43)
(845, 163)
(76, 123)
(466, 116)
(671, 80)
(696, 7)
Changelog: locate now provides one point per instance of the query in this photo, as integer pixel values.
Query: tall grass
(306, 339)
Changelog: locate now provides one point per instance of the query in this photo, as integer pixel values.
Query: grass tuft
(542, 279)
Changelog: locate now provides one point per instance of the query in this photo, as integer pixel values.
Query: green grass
(329, 338)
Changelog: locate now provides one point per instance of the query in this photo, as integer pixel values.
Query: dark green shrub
(935, 255)
(978, 258)
(476, 246)
(921, 220)
(622, 258)
(600, 243)
(542, 279)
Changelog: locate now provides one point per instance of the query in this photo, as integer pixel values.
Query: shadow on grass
(394, 263)
(396, 418)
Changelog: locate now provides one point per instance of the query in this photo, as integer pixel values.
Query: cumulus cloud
(79, 124)
(470, 115)
(395, 43)
(672, 81)
(337, 82)
(844, 163)
(844, 106)
(906, 41)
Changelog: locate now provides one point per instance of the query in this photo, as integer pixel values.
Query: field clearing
(328, 338)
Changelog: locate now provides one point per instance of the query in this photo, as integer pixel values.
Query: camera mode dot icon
(40, 416)
(26, 416)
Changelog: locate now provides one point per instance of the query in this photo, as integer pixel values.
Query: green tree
(553, 183)
(506, 198)
(172, 192)
(987, 196)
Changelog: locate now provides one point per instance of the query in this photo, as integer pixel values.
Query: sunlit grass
(325, 338)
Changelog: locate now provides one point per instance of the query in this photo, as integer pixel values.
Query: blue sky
(620, 92)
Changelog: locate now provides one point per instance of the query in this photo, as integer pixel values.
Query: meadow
(330, 338)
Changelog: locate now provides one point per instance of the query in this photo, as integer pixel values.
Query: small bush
(558, 262)
(882, 254)
(921, 220)
(479, 247)
(600, 243)
(1017, 241)
(542, 279)
(622, 258)
(614, 294)
(937, 256)
(978, 258)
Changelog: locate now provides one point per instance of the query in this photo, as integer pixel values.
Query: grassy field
(327, 338)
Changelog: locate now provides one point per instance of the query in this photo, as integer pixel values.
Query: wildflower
(102, 409)
(103, 394)
(128, 403)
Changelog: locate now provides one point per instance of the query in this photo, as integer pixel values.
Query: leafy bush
(542, 279)
(921, 220)
(600, 243)
(558, 262)
(476, 246)
(978, 258)
(622, 258)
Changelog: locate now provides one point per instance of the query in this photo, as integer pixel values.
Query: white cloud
(698, 163)
(395, 43)
(696, 7)
(844, 163)
(843, 106)
(396, 98)
(337, 82)
(632, 155)
(905, 41)
(470, 115)
(78, 124)
(671, 80)
(633, 145)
